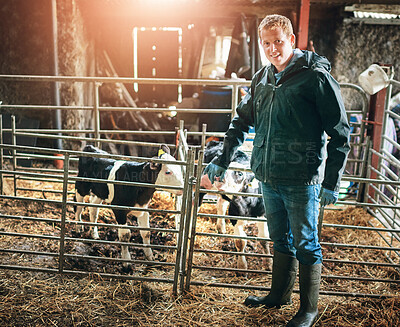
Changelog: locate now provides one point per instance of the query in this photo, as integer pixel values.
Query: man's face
(278, 47)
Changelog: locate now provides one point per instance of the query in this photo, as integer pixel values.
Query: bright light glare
(135, 61)
(135, 32)
(173, 111)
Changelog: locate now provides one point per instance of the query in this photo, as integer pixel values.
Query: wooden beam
(302, 32)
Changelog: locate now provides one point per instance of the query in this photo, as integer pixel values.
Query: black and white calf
(124, 195)
(236, 181)
(251, 206)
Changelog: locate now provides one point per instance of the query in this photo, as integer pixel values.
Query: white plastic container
(373, 79)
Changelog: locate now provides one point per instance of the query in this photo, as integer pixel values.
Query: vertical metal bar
(194, 220)
(367, 185)
(188, 212)
(96, 113)
(364, 170)
(363, 126)
(14, 154)
(179, 258)
(320, 220)
(234, 99)
(360, 167)
(203, 136)
(385, 121)
(57, 100)
(385, 117)
(183, 146)
(1, 155)
(63, 213)
(178, 136)
(181, 150)
(395, 210)
(364, 112)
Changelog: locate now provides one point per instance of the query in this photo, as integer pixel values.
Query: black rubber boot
(309, 280)
(284, 269)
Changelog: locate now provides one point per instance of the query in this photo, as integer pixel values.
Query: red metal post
(302, 33)
(375, 119)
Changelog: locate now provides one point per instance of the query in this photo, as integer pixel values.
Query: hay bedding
(38, 299)
(28, 299)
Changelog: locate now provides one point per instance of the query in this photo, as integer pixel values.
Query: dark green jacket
(290, 117)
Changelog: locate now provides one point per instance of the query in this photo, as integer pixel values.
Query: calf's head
(234, 180)
(170, 174)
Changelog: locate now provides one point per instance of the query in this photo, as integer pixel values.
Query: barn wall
(360, 45)
(26, 49)
(353, 47)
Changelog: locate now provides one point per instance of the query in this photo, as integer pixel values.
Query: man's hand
(213, 171)
(328, 197)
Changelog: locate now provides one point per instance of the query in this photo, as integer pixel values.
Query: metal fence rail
(186, 268)
(60, 236)
(387, 170)
(96, 108)
(394, 264)
(200, 274)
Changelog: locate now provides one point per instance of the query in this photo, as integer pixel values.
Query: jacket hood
(312, 60)
(301, 59)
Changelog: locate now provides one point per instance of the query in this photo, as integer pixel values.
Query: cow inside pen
(237, 181)
(124, 195)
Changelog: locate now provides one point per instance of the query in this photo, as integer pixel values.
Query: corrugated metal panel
(375, 15)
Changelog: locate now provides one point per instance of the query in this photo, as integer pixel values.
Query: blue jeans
(292, 218)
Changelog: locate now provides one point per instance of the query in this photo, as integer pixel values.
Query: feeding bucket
(373, 79)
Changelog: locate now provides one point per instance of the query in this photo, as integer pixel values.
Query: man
(292, 104)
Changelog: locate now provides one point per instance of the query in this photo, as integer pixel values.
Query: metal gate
(354, 193)
(53, 246)
(58, 248)
(63, 243)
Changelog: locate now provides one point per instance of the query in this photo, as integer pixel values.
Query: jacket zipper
(267, 154)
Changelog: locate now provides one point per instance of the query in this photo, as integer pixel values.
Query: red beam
(302, 33)
(375, 117)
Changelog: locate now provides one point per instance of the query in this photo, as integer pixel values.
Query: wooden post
(302, 32)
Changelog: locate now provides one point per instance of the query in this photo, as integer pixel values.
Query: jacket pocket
(288, 160)
(257, 156)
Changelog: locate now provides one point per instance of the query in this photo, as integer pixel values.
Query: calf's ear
(154, 166)
(163, 149)
(250, 178)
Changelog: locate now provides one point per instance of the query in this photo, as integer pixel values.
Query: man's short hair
(275, 21)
